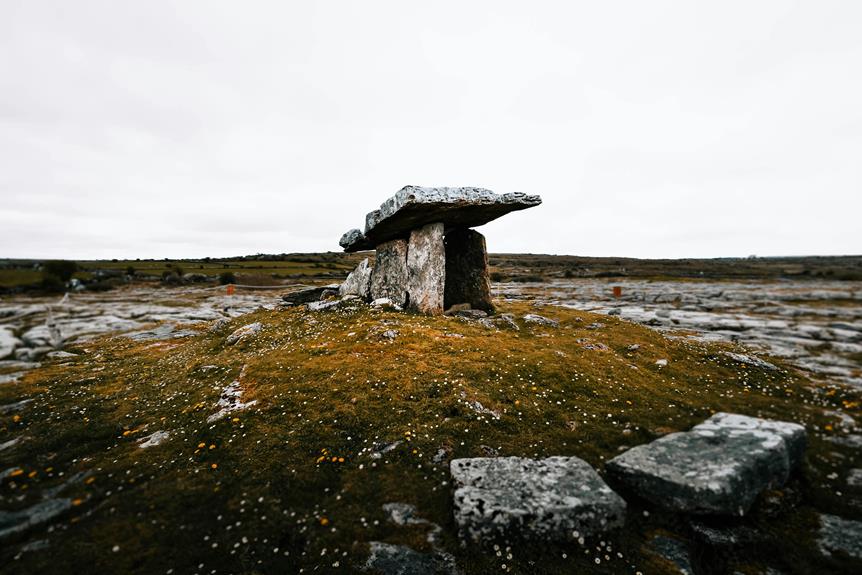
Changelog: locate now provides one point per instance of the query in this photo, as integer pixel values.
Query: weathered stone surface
(540, 320)
(391, 559)
(389, 276)
(355, 240)
(12, 522)
(718, 467)
(358, 282)
(245, 332)
(842, 536)
(674, 551)
(307, 295)
(413, 207)
(467, 276)
(550, 499)
(426, 269)
(162, 332)
(751, 360)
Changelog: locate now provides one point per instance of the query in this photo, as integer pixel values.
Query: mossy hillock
(339, 412)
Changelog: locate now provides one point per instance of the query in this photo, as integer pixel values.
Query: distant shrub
(226, 278)
(63, 270)
(130, 271)
(528, 279)
(497, 277)
(569, 274)
(53, 284)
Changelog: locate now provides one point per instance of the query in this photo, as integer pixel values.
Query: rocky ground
(181, 430)
(815, 325)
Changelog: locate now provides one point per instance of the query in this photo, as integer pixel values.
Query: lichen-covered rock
(358, 282)
(751, 360)
(391, 559)
(718, 467)
(540, 320)
(389, 276)
(467, 276)
(557, 498)
(838, 535)
(355, 240)
(307, 295)
(426, 269)
(414, 206)
(244, 333)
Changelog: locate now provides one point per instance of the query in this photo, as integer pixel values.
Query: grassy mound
(347, 418)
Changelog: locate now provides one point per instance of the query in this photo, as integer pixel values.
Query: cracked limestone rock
(556, 498)
(719, 467)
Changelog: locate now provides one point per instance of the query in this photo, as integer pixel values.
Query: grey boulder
(358, 282)
(414, 206)
(558, 498)
(391, 559)
(719, 467)
(307, 295)
(355, 240)
(841, 536)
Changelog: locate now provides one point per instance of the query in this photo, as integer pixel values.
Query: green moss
(327, 386)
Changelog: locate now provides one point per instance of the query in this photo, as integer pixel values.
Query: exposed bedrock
(389, 276)
(426, 269)
(467, 277)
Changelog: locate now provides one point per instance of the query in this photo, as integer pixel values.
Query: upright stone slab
(358, 282)
(389, 276)
(426, 269)
(717, 468)
(467, 277)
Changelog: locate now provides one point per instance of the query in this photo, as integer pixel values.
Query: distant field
(273, 269)
(22, 273)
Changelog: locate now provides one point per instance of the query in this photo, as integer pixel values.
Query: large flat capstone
(414, 206)
(719, 467)
(558, 498)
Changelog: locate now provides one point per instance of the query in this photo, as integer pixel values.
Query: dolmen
(428, 257)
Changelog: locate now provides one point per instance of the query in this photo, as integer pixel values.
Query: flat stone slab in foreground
(718, 467)
(558, 498)
(413, 207)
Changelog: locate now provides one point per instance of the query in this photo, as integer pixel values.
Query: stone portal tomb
(427, 256)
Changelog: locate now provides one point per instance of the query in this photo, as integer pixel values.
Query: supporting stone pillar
(467, 277)
(426, 269)
(389, 276)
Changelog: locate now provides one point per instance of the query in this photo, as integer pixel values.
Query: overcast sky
(650, 129)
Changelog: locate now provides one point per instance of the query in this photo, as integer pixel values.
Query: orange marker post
(230, 289)
(618, 291)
